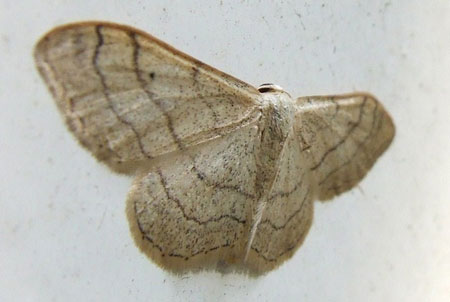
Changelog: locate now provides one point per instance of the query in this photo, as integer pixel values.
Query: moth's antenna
(257, 220)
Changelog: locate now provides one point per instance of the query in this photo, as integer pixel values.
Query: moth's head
(269, 87)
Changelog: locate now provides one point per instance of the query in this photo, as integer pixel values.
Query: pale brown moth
(226, 174)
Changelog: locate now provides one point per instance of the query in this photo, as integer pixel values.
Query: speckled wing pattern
(225, 179)
(342, 136)
(129, 97)
(288, 210)
(197, 209)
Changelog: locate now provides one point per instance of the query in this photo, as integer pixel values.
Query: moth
(225, 173)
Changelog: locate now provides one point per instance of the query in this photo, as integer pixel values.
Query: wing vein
(107, 93)
(352, 128)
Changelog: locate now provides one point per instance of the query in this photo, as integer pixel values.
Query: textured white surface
(63, 230)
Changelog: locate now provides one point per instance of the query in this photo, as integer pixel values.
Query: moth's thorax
(278, 108)
(278, 111)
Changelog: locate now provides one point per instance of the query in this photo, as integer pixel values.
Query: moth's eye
(269, 87)
(265, 89)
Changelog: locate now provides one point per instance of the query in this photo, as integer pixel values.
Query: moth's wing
(343, 136)
(194, 211)
(287, 213)
(129, 97)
